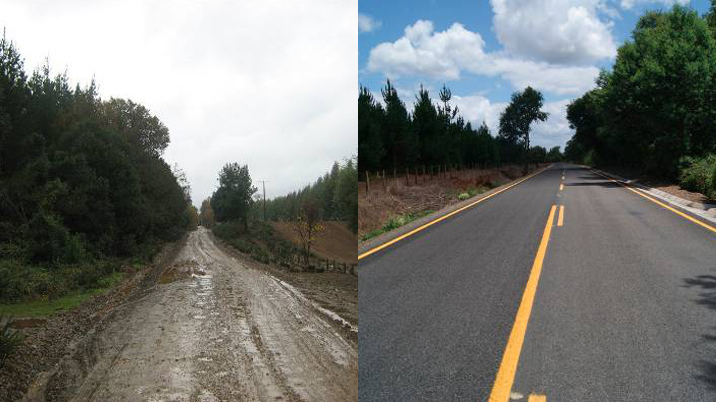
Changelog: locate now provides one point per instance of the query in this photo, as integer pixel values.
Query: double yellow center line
(508, 367)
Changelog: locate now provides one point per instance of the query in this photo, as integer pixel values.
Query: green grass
(46, 308)
(396, 222)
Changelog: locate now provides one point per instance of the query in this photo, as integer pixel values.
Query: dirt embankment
(335, 242)
(388, 198)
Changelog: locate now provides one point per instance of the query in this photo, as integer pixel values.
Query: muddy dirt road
(217, 330)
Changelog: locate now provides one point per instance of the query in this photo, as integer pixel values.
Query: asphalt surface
(625, 308)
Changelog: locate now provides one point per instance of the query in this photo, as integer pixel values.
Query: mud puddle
(23, 323)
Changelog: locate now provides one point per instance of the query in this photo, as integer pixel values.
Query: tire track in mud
(220, 331)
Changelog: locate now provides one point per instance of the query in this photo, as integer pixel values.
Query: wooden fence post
(367, 182)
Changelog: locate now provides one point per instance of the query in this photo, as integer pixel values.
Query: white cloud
(446, 54)
(628, 4)
(554, 31)
(552, 132)
(268, 83)
(366, 23)
(478, 109)
(555, 130)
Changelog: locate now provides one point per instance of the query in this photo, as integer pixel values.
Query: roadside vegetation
(434, 137)
(395, 222)
(653, 112)
(83, 187)
(9, 339)
(237, 214)
(334, 195)
(412, 163)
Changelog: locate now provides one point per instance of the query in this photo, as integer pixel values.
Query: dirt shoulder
(44, 346)
(440, 196)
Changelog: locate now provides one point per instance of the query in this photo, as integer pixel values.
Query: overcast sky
(485, 50)
(268, 83)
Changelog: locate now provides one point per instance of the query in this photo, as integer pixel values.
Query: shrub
(589, 158)
(228, 230)
(9, 339)
(699, 174)
(463, 196)
(20, 281)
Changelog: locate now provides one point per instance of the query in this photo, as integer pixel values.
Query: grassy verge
(471, 192)
(46, 308)
(396, 222)
(260, 242)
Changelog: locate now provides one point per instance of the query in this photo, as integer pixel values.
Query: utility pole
(263, 182)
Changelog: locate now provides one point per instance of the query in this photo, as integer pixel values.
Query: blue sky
(485, 50)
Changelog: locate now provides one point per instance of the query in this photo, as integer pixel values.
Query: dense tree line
(81, 179)
(654, 111)
(334, 195)
(392, 139)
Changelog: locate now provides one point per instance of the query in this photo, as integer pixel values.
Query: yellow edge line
(508, 367)
(561, 187)
(537, 398)
(676, 211)
(416, 230)
(560, 218)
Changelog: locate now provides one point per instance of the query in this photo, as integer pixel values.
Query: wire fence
(381, 180)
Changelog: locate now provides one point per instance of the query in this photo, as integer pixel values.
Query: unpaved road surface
(217, 330)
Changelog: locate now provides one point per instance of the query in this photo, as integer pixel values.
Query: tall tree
(371, 146)
(656, 105)
(396, 129)
(137, 125)
(233, 199)
(524, 109)
(206, 215)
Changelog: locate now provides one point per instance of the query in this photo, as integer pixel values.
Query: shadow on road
(605, 184)
(591, 177)
(707, 298)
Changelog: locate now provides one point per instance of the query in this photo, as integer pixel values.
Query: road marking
(676, 211)
(537, 398)
(560, 218)
(418, 229)
(561, 186)
(508, 367)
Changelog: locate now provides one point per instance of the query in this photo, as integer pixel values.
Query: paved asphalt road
(625, 307)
